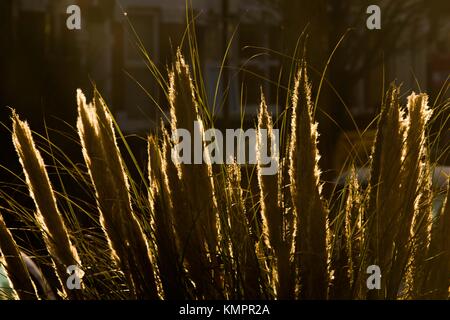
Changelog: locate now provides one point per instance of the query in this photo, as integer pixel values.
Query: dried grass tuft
(49, 218)
(311, 222)
(106, 169)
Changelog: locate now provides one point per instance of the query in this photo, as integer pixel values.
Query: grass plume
(226, 231)
(48, 216)
(274, 221)
(311, 215)
(126, 238)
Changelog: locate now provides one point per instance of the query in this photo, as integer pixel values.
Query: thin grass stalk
(105, 165)
(285, 196)
(311, 221)
(15, 267)
(289, 217)
(49, 218)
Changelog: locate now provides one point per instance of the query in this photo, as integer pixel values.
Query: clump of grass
(414, 169)
(202, 231)
(15, 267)
(354, 230)
(195, 179)
(48, 216)
(385, 183)
(246, 266)
(163, 224)
(127, 241)
(420, 235)
(273, 217)
(437, 282)
(191, 245)
(311, 215)
(347, 240)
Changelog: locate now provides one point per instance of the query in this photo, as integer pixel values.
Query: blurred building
(42, 62)
(121, 70)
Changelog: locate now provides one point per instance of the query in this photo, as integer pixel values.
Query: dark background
(42, 62)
